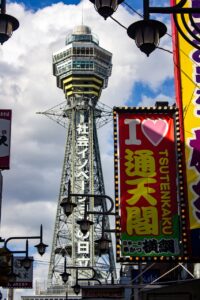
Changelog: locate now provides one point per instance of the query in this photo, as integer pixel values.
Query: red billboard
(5, 134)
(148, 181)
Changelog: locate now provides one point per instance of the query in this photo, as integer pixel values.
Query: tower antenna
(82, 14)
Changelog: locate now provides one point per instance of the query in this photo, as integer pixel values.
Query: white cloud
(31, 186)
(148, 101)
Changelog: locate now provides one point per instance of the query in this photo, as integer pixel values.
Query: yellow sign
(187, 74)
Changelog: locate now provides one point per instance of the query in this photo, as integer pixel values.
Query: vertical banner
(5, 135)
(187, 82)
(148, 172)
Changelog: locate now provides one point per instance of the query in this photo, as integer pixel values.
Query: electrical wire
(170, 52)
(140, 15)
(134, 10)
(118, 23)
(167, 50)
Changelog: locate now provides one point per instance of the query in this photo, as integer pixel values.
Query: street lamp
(7, 23)
(41, 247)
(27, 261)
(65, 276)
(77, 286)
(106, 7)
(103, 244)
(67, 205)
(7, 257)
(147, 33)
(85, 223)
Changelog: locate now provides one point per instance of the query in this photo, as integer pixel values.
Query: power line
(118, 23)
(167, 50)
(134, 10)
(161, 48)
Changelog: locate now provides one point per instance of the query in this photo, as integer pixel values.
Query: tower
(82, 69)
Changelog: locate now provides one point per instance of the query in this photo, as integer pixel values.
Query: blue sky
(36, 4)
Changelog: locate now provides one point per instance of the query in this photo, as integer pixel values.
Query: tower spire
(82, 14)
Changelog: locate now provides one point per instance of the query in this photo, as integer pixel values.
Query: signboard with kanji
(148, 174)
(5, 133)
(187, 83)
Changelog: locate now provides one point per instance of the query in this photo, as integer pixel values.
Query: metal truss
(59, 114)
(81, 116)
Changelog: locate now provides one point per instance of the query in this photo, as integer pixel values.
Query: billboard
(148, 173)
(5, 134)
(187, 82)
(24, 277)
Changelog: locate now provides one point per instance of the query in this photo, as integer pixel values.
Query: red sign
(5, 133)
(148, 184)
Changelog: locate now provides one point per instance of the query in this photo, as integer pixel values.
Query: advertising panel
(5, 133)
(24, 277)
(148, 172)
(187, 82)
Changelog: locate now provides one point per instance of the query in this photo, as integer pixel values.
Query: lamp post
(104, 242)
(7, 23)
(7, 256)
(65, 276)
(147, 32)
(85, 223)
(106, 8)
(41, 247)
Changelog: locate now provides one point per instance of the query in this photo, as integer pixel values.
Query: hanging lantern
(7, 23)
(106, 7)
(147, 34)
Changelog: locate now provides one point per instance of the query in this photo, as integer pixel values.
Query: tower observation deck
(82, 69)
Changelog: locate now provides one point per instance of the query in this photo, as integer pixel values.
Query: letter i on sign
(132, 123)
